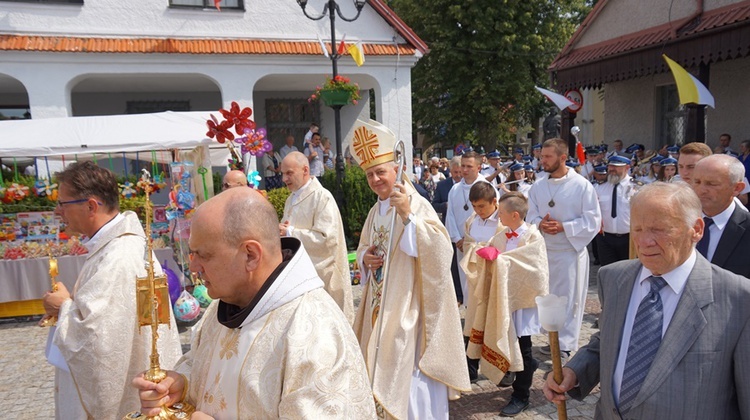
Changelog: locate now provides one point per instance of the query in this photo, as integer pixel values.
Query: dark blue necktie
(645, 339)
(702, 246)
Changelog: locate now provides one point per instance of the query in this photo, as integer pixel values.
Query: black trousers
(612, 248)
(522, 384)
(454, 274)
(473, 364)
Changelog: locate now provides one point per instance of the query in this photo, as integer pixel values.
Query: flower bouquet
(338, 91)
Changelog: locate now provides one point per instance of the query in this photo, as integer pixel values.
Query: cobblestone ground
(27, 380)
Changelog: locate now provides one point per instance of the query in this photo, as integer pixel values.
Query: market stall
(170, 146)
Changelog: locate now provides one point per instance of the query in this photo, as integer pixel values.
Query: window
(208, 4)
(286, 117)
(46, 1)
(15, 113)
(672, 116)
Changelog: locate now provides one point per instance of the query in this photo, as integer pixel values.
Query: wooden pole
(554, 345)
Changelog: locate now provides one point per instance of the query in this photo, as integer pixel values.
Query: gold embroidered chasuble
(505, 285)
(317, 223)
(97, 332)
(420, 299)
(295, 356)
(472, 265)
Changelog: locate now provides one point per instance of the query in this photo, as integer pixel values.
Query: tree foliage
(477, 82)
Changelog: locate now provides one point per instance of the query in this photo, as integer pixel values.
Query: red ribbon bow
(511, 235)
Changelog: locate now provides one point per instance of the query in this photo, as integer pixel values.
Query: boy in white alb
(520, 274)
(480, 227)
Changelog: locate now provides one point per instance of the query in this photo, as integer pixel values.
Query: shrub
(277, 197)
(359, 200)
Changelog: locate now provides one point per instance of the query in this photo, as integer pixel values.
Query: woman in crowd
(431, 179)
(653, 170)
(668, 169)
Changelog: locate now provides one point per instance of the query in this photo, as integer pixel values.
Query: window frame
(60, 2)
(207, 4)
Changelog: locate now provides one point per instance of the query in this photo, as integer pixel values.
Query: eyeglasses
(225, 186)
(80, 200)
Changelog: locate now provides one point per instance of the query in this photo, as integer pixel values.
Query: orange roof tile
(180, 46)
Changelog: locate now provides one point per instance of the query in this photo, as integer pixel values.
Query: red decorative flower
(220, 131)
(240, 119)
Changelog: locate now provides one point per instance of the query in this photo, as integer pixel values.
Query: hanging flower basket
(335, 97)
(338, 91)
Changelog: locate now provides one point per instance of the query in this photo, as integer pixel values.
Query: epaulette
(637, 182)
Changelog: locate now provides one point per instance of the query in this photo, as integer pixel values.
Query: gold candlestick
(152, 296)
(53, 272)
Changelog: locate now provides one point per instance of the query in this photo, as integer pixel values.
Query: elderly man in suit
(717, 179)
(675, 337)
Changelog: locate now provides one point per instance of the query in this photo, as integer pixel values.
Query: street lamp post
(332, 9)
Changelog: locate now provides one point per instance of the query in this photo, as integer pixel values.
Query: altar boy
(519, 274)
(480, 227)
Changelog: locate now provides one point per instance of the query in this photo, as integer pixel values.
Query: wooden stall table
(24, 282)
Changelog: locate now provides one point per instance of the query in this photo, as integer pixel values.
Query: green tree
(477, 82)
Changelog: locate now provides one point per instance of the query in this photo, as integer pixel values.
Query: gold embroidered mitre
(372, 143)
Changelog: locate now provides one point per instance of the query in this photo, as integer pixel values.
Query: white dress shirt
(717, 229)
(525, 320)
(670, 296)
(625, 191)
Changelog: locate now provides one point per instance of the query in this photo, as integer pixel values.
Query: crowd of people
(282, 338)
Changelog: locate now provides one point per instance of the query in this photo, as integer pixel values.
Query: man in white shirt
(459, 207)
(613, 242)
(288, 147)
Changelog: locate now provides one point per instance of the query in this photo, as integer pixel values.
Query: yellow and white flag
(357, 52)
(690, 89)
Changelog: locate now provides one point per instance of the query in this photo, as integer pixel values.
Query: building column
(394, 109)
(48, 91)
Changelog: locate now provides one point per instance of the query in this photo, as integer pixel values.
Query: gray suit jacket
(702, 368)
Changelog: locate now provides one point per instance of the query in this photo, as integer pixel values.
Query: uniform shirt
(486, 170)
(625, 191)
(587, 170)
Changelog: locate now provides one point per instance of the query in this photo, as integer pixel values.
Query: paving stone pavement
(27, 380)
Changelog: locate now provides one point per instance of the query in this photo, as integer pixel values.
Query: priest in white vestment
(565, 208)
(414, 370)
(312, 216)
(273, 344)
(459, 209)
(97, 332)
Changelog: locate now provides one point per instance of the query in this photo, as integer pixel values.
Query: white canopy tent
(49, 144)
(103, 134)
(63, 139)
